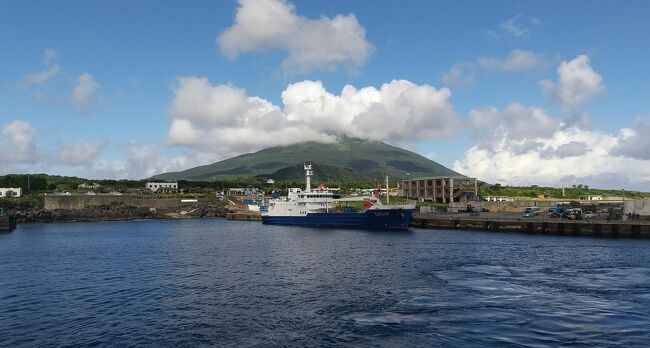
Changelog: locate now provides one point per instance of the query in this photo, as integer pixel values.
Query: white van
(531, 211)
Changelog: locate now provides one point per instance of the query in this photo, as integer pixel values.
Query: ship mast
(308, 174)
(387, 196)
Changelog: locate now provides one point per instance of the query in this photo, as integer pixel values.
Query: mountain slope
(347, 159)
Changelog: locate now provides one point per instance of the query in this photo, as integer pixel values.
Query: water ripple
(216, 282)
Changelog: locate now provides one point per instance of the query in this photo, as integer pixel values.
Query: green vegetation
(574, 192)
(348, 160)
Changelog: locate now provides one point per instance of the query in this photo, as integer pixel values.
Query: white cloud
(635, 143)
(577, 83)
(518, 60)
(83, 94)
(49, 55)
(18, 143)
(516, 121)
(458, 76)
(40, 77)
(50, 71)
(223, 120)
(510, 29)
(311, 44)
(80, 152)
(547, 152)
(143, 161)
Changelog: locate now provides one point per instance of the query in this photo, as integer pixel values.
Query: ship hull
(370, 219)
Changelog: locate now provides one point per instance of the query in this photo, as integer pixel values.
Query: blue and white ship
(318, 208)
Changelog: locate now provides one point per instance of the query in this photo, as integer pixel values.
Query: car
(589, 215)
(531, 211)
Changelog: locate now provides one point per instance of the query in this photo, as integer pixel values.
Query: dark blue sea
(212, 282)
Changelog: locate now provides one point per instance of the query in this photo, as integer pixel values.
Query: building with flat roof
(243, 191)
(6, 192)
(441, 189)
(499, 199)
(155, 186)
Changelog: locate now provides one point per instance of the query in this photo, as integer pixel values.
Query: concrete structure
(155, 186)
(441, 189)
(499, 199)
(82, 201)
(637, 206)
(7, 222)
(615, 229)
(12, 191)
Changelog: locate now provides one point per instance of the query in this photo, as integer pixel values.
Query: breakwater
(614, 229)
(7, 222)
(82, 202)
(112, 208)
(245, 216)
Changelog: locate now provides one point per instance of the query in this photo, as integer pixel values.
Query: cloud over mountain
(223, 119)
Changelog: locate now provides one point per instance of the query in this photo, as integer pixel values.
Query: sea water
(213, 282)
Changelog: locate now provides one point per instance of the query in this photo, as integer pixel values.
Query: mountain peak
(347, 159)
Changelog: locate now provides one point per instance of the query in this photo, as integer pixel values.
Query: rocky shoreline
(34, 212)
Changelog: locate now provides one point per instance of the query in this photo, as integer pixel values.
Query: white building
(243, 191)
(11, 191)
(89, 186)
(270, 181)
(499, 199)
(155, 186)
(592, 198)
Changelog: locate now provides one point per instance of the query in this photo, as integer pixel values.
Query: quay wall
(614, 229)
(83, 202)
(514, 206)
(7, 222)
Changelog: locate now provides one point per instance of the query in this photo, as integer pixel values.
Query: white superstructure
(320, 200)
(300, 203)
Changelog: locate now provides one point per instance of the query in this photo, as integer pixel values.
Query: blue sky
(552, 93)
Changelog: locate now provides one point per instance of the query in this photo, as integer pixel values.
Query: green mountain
(347, 160)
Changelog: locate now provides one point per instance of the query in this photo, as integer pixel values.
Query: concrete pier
(614, 229)
(246, 216)
(7, 223)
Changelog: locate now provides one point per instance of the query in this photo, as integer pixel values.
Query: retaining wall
(82, 202)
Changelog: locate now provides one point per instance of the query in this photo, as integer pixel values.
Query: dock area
(244, 216)
(590, 228)
(7, 222)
